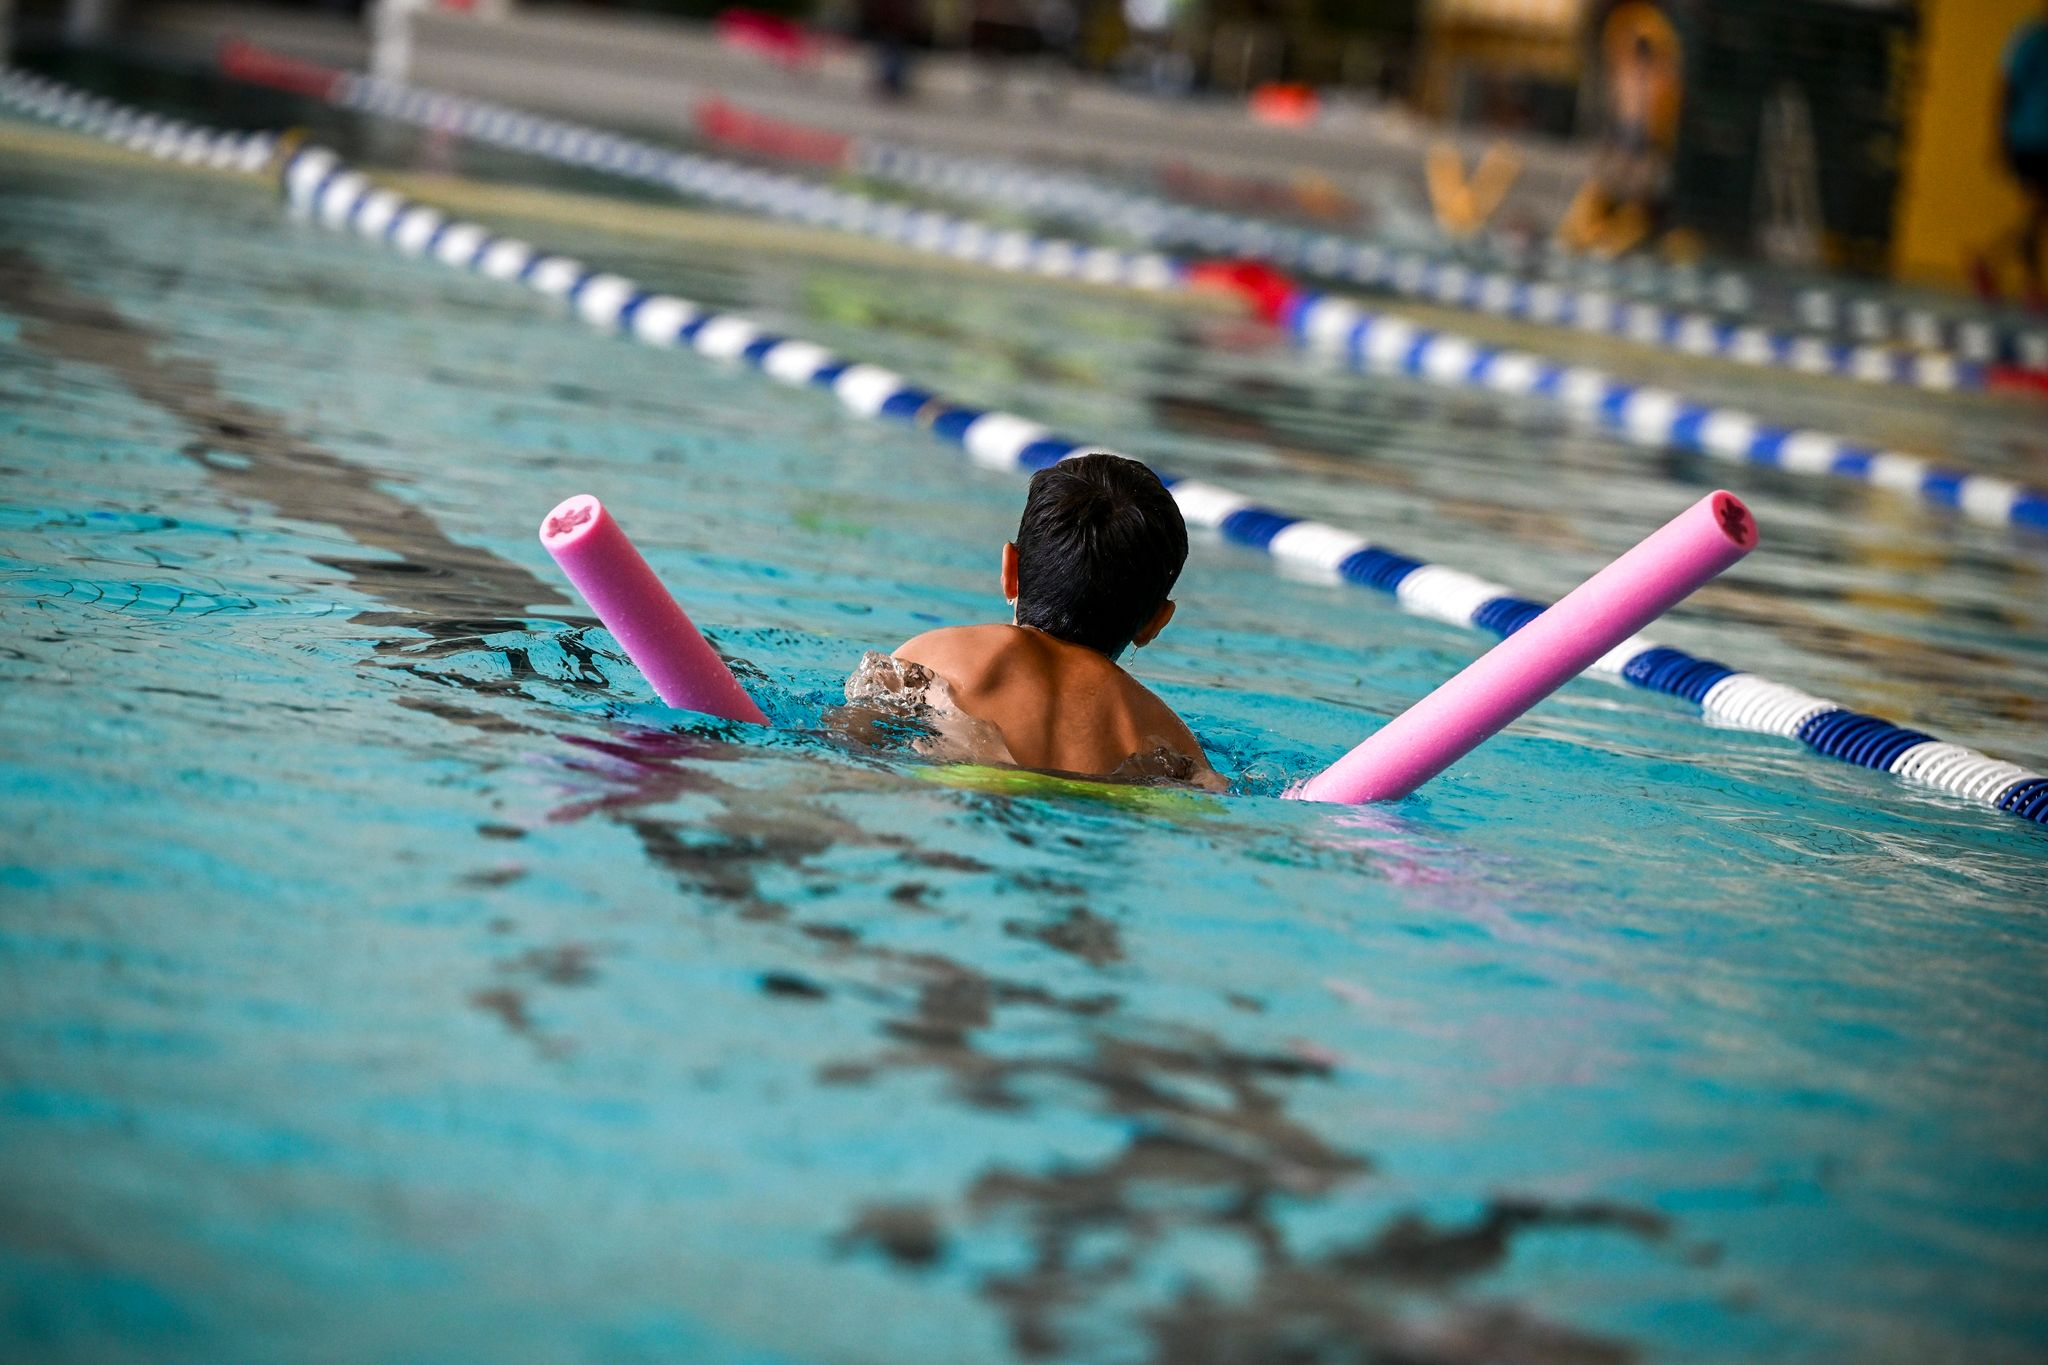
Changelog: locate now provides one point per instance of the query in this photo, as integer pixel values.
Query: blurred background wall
(1854, 134)
(1958, 192)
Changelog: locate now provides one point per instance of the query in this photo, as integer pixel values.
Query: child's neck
(1074, 646)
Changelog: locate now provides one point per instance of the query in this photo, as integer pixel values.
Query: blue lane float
(1983, 339)
(1978, 335)
(1380, 342)
(1160, 224)
(318, 185)
(1434, 265)
(1435, 277)
(775, 195)
(1975, 334)
(1946, 350)
(166, 139)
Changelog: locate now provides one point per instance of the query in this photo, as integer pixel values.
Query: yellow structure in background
(1956, 195)
(1642, 77)
(1659, 93)
(1463, 204)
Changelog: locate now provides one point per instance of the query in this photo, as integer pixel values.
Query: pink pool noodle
(1542, 656)
(640, 614)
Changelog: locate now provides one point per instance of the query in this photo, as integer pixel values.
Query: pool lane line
(1946, 354)
(1161, 225)
(1419, 271)
(675, 224)
(1424, 276)
(1641, 413)
(1369, 341)
(319, 185)
(67, 145)
(151, 135)
(1972, 332)
(697, 226)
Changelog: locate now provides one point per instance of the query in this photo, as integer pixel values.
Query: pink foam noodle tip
(1542, 656)
(648, 624)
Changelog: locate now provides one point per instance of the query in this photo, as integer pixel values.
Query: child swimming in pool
(1090, 574)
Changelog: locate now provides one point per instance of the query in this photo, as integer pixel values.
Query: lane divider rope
(1435, 270)
(1977, 337)
(1856, 315)
(1162, 225)
(1379, 342)
(1986, 333)
(1972, 334)
(166, 139)
(1432, 277)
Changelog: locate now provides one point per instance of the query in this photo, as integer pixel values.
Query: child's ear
(1010, 573)
(1155, 625)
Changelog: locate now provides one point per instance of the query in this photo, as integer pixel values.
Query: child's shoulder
(961, 639)
(953, 650)
(951, 635)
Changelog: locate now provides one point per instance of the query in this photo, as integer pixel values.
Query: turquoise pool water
(382, 969)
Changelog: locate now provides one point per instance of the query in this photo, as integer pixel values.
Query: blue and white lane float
(166, 139)
(1979, 333)
(1432, 277)
(1977, 340)
(776, 195)
(1447, 278)
(1984, 339)
(1973, 335)
(1159, 224)
(1368, 339)
(318, 185)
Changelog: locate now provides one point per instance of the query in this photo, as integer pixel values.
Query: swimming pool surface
(385, 974)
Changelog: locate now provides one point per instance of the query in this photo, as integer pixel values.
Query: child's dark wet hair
(1098, 550)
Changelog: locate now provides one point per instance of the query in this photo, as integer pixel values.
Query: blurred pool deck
(649, 73)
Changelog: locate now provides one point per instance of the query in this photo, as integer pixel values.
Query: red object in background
(1285, 102)
(1264, 290)
(244, 61)
(728, 123)
(782, 41)
(2016, 379)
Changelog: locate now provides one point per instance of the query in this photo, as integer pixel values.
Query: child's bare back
(1059, 706)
